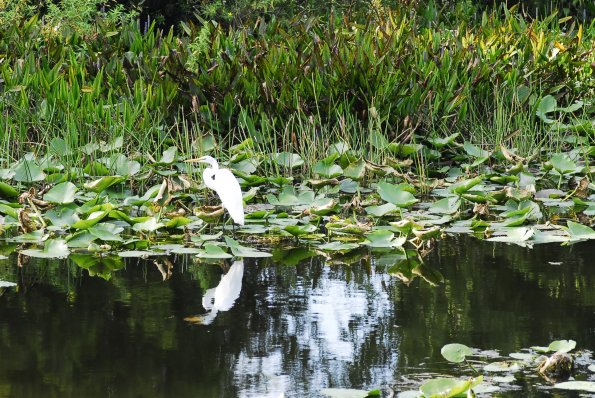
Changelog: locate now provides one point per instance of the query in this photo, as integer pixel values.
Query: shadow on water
(293, 329)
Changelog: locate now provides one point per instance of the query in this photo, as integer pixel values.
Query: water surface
(294, 328)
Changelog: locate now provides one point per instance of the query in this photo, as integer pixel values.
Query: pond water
(294, 329)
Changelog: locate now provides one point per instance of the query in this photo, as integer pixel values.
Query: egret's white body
(224, 183)
(223, 297)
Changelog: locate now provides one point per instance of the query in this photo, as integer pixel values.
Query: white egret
(224, 183)
(223, 297)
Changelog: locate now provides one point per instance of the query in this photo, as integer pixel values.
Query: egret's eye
(213, 176)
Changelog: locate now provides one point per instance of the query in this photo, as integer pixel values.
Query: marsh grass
(294, 86)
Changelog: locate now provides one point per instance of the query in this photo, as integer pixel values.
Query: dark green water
(293, 329)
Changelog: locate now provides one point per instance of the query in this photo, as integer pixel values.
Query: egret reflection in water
(223, 296)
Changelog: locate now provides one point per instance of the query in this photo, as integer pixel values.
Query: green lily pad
(7, 191)
(138, 253)
(447, 387)
(243, 251)
(562, 345)
(546, 105)
(289, 160)
(91, 220)
(382, 210)
(103, 183)
(575, 385)
(562, 163)
(337, 246)
(169, 155)
(299, 230)
(107, 232)
(213, 251)
(28, 170)
(395, 194)
(455, 352)
(37, 236)
(327, 168)
(383, 238)
(102, 266)
(504, 366)
(355, 170)
(465, 185)
(53, 248)
(62, 193)
(579, 232)
(348, 393)
(151, 225)
(448, 205)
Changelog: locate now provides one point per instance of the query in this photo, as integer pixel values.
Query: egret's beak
(197, 160)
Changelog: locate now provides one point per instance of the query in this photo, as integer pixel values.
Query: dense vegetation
(99, 74)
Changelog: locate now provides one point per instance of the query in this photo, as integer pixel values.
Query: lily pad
(562, 345)
(62, 193)
(243, 251)
(348, 393)
(504, 366)
(448, 387)
(455, 352)
(53, 248)
(588, 386)
(395, 194)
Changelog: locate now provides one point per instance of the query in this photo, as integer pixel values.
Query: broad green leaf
(243, 251)
(504, 366)
(213, 251)
(338, 246)
(447, 387)
(28, 171)
(579, 232)
(104, 182)
(62, 193)
(37, 236)
(289, 160)
(382, 210)
(9, 211)
(150, 225)
(177, 222)
(299, 230)
(562, 345)
(327, 169)
(442, 142)
(395, 194)
(138, 253)
(7, 191)
(91, 220)
(62, 216)
(455, 352)
(475, 151)
(546, 105)
(106, 232)
(562, 163)
(383, 238)
(53, 248)
(465, 185)
(378, 140)
(575, 385)
(169, 155)
(355, 170)
(448, 205)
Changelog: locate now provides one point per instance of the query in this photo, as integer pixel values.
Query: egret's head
(205, 159)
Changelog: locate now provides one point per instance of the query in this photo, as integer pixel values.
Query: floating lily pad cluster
(499, 373)
(138, 206)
